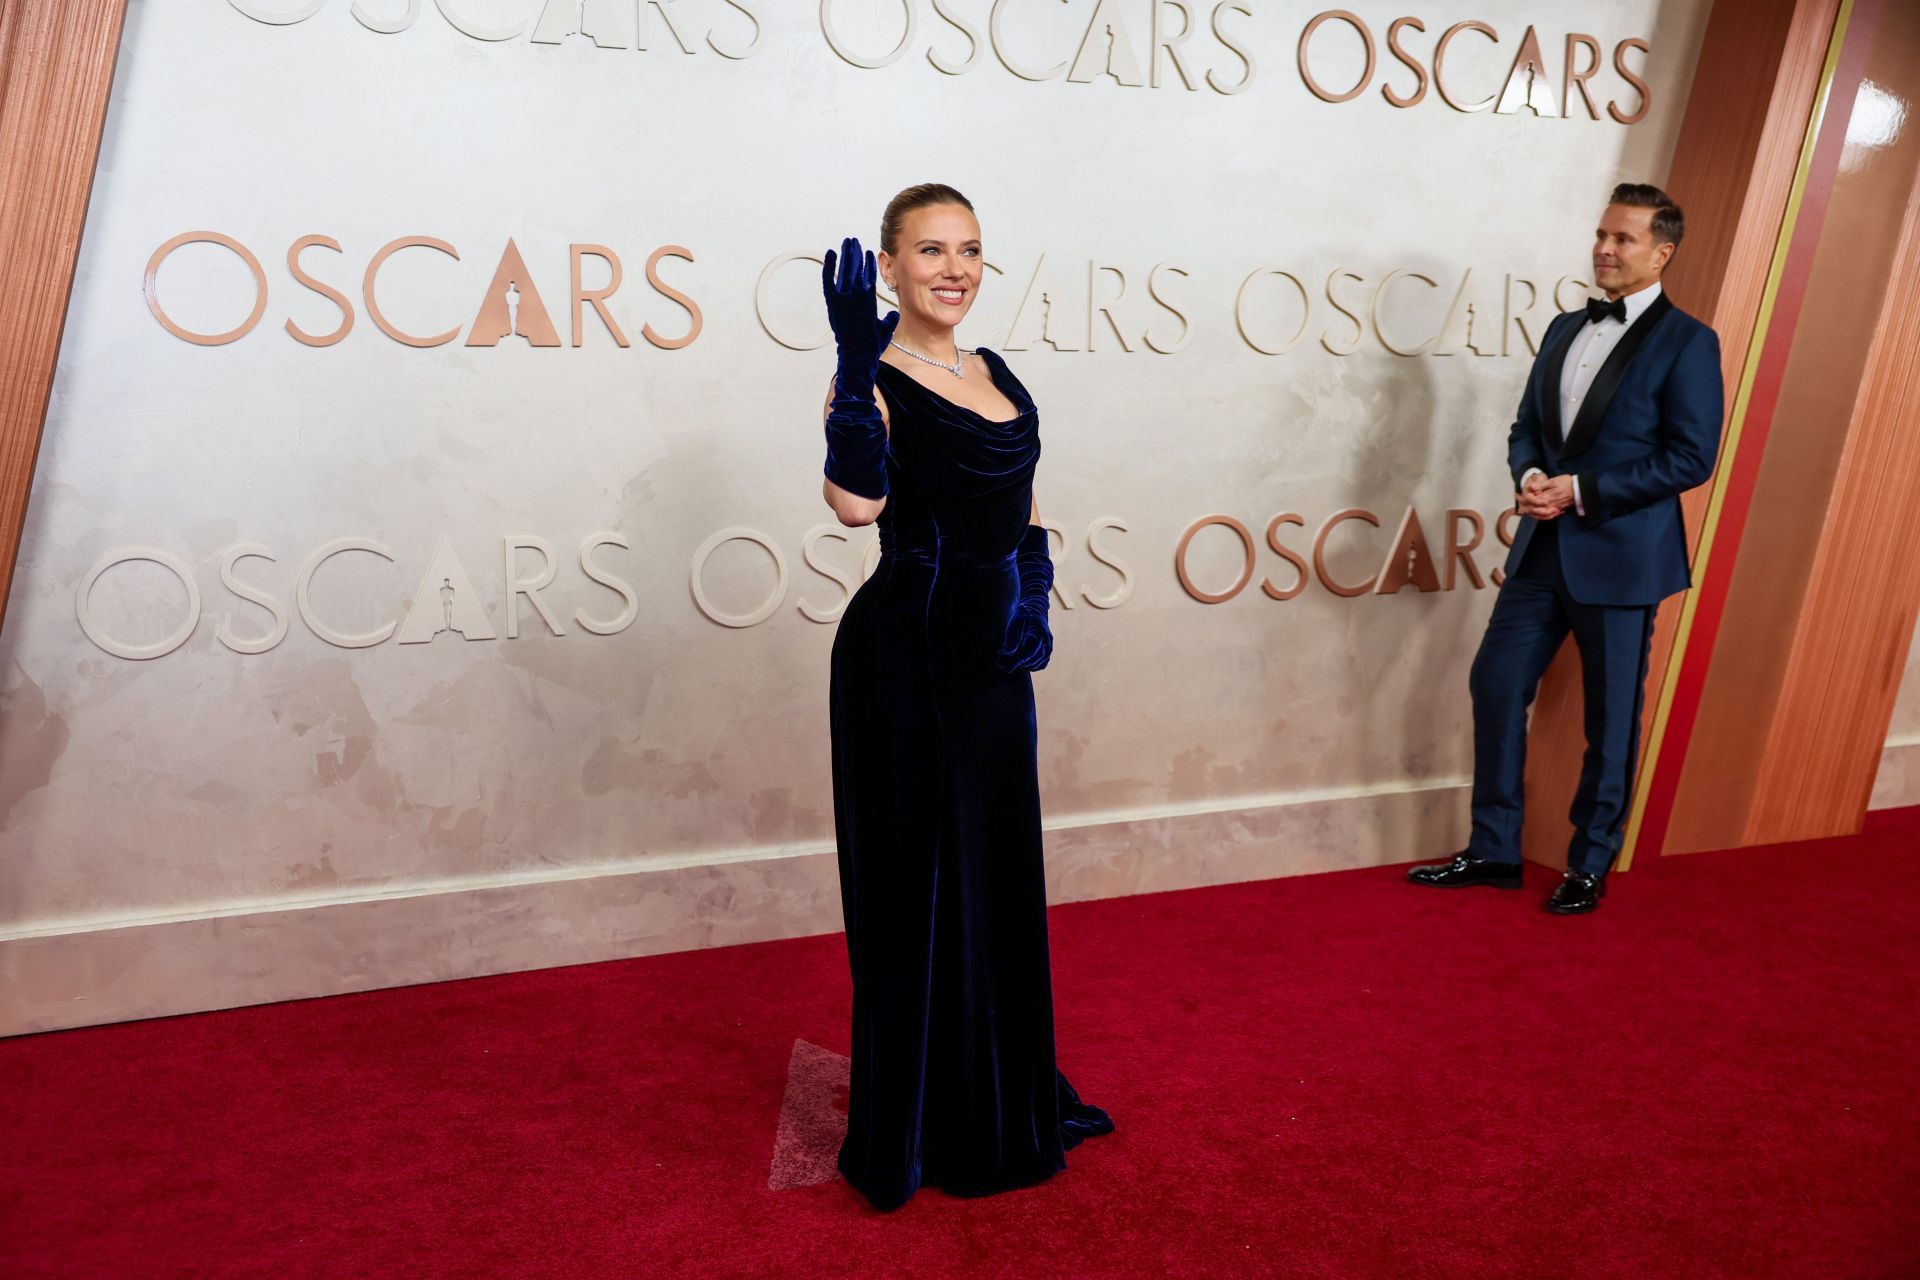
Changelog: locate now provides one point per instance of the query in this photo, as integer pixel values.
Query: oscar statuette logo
(736, 33)
(847, 571)
(445, 602)
(1528, 85)
(1062, 303)
(1137, 43)
(1065, 305)
(1409, 560)
(1075, 303)
(1275, 309)
(1191, 45)
(510, 306)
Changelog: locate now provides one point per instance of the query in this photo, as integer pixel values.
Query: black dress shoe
(1578, 893)
(1465, 869)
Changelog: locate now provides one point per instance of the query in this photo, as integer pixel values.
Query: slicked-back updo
(924, 196)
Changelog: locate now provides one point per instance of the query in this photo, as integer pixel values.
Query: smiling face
(1626, 257)
(934, 268)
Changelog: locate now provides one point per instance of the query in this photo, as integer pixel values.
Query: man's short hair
(1669, 223)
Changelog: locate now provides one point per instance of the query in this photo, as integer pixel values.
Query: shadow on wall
(1409, 451)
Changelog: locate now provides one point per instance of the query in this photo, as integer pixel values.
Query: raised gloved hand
(856, 435)
(1029, 641)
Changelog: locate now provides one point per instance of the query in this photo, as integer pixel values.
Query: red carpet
(1339, 1076)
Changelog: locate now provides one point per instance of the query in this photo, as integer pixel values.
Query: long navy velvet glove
(1029, 642)
(856, 435)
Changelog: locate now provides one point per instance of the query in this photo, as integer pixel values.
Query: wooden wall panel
(1847, 651)
(56, 70)
(1789, 674)
(1832, 286)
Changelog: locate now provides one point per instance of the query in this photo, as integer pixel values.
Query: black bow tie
(1598, 310)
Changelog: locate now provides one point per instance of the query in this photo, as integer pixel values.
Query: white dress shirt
(1592, 343)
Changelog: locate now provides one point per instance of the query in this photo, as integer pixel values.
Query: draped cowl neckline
(978, 453)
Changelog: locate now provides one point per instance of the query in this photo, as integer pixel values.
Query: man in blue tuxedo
(1621, 415)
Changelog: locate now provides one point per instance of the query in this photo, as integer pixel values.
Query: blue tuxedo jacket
(1648, 430)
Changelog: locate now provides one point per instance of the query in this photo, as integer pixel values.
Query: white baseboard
(1898, 784)
(59, 974)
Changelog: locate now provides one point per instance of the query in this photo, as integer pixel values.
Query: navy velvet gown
(937, 812)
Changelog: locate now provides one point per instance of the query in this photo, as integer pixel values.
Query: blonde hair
(924, 196)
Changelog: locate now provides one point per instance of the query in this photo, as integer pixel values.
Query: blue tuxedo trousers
(1531, 619)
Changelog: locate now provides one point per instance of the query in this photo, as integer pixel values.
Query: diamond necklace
(954, 368)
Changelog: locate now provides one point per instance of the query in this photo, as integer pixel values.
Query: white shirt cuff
(1527, 475)
(1579, 507)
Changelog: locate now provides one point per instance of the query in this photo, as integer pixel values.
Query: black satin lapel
(1550, 386)
(1607, 381)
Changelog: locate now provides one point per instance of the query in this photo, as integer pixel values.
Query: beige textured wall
(213, 827)
(1899, 782)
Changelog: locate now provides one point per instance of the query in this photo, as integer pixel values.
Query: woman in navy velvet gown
(936, 797)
